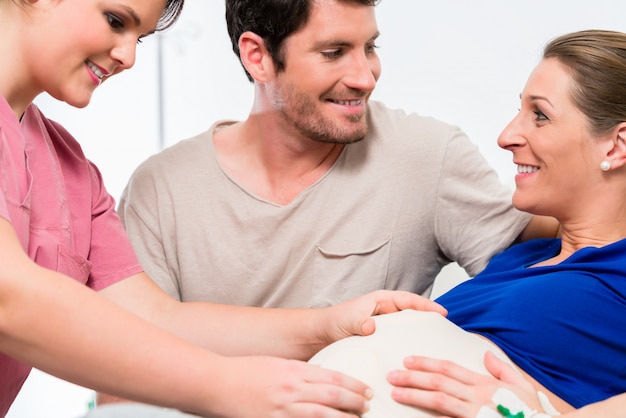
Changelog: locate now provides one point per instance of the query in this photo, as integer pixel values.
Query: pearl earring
(605, 165)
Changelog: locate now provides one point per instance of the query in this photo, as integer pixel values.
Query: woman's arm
(614, 407)
(61, 327)
(466, 394)
(448, 388)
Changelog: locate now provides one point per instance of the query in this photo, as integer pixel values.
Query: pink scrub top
(62, 214)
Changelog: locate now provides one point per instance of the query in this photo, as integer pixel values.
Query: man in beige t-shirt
(320, 194)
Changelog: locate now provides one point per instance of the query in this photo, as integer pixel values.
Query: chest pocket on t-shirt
(347, 269)
(46, 248)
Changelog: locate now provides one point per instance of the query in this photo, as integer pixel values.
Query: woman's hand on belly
(456, 391)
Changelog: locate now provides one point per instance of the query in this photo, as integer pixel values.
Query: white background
(461, 61)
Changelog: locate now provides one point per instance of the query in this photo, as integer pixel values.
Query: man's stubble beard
(299, 111)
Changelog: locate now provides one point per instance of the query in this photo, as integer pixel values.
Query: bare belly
(397, 336)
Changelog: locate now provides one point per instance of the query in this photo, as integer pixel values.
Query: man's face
(331, 68)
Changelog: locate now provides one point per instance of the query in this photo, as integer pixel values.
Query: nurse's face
(73, 45)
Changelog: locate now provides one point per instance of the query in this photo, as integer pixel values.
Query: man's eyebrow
(326, 43)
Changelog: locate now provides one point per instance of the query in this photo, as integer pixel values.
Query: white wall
(462, 61)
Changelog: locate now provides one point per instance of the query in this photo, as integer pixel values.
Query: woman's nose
(125, 53)
(511, 135)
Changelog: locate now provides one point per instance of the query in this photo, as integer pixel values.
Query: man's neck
(277, 167)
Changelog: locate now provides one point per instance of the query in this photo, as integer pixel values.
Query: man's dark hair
(272, 20)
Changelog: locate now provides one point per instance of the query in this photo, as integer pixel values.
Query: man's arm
(236, 330)
(540, 227)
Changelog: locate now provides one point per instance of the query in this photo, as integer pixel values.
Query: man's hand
(354, 317)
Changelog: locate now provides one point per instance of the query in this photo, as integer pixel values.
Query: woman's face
(557, 158)
(72, 45)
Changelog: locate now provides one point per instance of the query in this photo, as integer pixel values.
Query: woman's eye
(114, 21)
(540, 116)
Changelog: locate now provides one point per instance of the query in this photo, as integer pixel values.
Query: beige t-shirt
(393, 209)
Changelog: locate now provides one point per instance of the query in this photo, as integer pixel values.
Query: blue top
(562, 324)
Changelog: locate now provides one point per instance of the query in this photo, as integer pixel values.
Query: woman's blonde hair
(596, 60)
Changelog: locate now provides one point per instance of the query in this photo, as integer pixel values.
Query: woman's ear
(255, 57)
(617, 154)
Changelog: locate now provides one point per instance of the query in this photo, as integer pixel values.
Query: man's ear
(255, 57)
